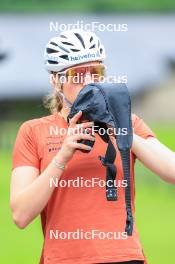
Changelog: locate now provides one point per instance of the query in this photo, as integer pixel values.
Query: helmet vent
(67, 43)
(92, 47)
(63, 36)
(80, 39)
(52, 62)
(91, 39)
(76, 50)
(53, 43)
(49, 50)
(64, 57)
(101, 50)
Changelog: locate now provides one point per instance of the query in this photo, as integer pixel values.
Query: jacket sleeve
(25, 148)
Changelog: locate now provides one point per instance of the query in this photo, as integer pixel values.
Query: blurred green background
(86, 6)
(154, 199)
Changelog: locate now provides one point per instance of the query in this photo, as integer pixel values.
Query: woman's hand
(75, 133)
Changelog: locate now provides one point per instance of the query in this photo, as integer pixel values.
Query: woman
(79, 225)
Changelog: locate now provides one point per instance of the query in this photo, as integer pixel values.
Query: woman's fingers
(76, 133)
(83, 136)
(76, 145)
(75, 129)
(75, 118)
(85, 125)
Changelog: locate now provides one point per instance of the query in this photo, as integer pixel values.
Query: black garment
(109, 104)
(126, 262)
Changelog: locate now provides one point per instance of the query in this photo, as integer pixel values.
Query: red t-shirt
(80, 209)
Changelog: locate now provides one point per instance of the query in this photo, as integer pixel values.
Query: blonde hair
(54, 101)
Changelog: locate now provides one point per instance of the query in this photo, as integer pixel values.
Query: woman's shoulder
(47, 120)
(37, 125)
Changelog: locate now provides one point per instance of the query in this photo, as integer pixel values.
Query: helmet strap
(68, 103)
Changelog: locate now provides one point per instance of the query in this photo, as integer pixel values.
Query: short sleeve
(25, 148)
(141, 128)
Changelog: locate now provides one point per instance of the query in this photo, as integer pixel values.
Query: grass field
(154, 209)
(86, 6)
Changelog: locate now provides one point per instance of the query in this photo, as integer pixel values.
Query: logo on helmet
(51, 57)
(84, 56)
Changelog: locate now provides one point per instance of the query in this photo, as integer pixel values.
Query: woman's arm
(155, 156)
(30, 191)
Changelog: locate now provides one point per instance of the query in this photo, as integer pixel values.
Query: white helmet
(72, 47)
